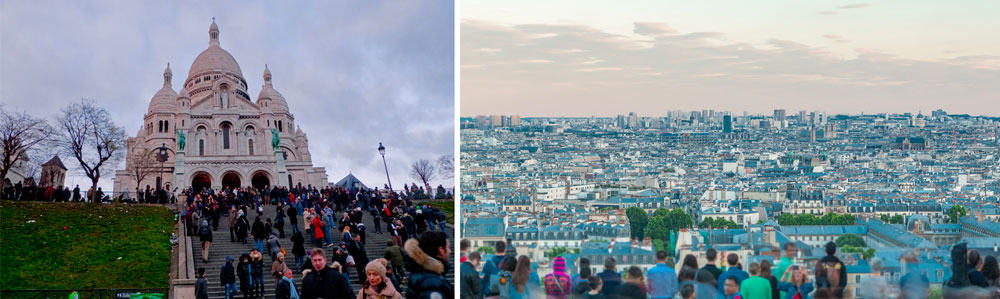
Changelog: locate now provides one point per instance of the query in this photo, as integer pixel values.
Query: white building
(228, 135)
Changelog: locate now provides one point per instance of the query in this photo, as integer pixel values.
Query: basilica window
(201, 147)
(250, 146)
(166, 126)
(225, 135)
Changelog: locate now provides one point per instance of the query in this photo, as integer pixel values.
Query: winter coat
(297, 247)
(325, 283)
(228, 274)
(394, 255)
(388, 292)
(426, 278)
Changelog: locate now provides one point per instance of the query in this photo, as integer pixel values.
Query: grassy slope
(72, 245)
(448, 207)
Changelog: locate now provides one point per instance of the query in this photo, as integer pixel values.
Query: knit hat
(559, 265)
(377, 266)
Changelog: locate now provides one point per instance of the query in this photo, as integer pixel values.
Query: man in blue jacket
(492, 266)
(732, 271)
(661, 279)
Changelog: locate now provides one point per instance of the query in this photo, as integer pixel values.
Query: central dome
(214, 58)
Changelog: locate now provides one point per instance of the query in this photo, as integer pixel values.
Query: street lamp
(162, 157)
(381, 151)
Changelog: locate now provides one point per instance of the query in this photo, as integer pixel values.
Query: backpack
(828, 277)
(204, 231)
(554, 285)
(506, 282)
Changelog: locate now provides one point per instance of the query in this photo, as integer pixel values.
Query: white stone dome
(165, 100)
(278, 103)
(215, 58)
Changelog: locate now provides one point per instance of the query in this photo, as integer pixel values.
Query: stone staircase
(221, 247)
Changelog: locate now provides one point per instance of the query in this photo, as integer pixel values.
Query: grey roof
(350, 181)
(55, 161)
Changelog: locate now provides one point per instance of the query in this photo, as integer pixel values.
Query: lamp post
(162, 157)
(381, 151)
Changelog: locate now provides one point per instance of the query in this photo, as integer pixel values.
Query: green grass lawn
(75, 245)
(448, 207)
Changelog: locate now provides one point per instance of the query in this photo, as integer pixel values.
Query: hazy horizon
(593, 58)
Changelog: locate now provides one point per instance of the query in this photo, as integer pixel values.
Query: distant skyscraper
(779, 115)
(515, 120)
(727, 124)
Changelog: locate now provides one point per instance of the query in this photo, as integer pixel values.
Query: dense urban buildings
(908, 185)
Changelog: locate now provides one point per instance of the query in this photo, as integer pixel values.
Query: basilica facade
(215, 135)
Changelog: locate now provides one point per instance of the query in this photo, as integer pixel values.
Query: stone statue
(274, 139)
(180, 140)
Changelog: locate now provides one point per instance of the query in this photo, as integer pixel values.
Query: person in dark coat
(201, 285)
(242, 227)
(357, 250)
(298, 249)
(227, 278)
(243, 272)
(426, 261)
(324, 281)
(293, 219)
(286, 286)
(257, 272)
(259, 234)
(279, 222)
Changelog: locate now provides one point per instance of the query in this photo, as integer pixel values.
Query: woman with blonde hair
(377, 285)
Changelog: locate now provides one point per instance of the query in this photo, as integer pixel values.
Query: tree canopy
(664, 221)
(637, 220)
(810, 219)
(718, 223)
(956, 212)
(850, 240)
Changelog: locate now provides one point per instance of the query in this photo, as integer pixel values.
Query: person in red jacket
(317, 228)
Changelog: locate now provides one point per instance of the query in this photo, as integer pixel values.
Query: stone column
(282, 177)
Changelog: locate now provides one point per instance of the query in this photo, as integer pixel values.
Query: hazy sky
(353, 75)
(604, 58)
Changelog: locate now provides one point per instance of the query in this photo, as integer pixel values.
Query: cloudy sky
(581, 58)
(353, 75)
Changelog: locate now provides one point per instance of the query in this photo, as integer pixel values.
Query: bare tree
(141, 164)
(446, 166)
(89, 135)
(423, 170)
(19, 132)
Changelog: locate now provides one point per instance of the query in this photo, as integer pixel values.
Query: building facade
(216, 135)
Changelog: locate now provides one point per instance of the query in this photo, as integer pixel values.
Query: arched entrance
(260, 180)
(231, 180)
(201, 180)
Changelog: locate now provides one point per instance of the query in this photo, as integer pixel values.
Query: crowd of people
(34, 192)
(507, 275)
(332, 219)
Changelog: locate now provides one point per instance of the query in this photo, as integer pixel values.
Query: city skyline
(366, 74)
(590, 59)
